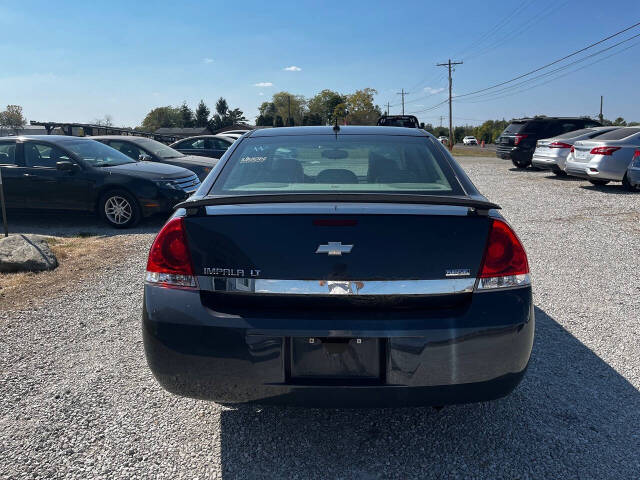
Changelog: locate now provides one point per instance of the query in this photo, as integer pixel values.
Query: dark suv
(518, 141)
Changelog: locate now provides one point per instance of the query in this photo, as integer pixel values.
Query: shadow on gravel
(564, 178)
(573, 416)
(615, 189)
(74, 224)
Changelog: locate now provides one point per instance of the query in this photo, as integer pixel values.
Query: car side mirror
(143, 157)
(66, 166)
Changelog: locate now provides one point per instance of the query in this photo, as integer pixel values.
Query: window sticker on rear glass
(253, 159)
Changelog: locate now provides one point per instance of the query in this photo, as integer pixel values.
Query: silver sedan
(606, 158)
(551, 153)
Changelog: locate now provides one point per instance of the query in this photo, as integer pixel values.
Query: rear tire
(598, 183)
(520, 163)
(627, 185)
(560, 173)
(119, 209)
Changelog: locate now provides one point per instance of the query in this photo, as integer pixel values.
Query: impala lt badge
(334, 248)
(458, 272)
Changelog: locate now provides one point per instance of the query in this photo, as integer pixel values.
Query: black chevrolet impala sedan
(351, 266)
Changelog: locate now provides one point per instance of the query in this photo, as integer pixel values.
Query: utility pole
(441, 117)
(449, 64)
(403, 93)
(600, 116)
(289, 117)
(388, 108)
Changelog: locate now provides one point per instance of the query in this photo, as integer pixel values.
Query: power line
(551, 72)
(498, 96)
(551, 63)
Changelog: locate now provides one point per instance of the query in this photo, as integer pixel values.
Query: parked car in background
(470, 140)
(57, 172)
(605, 158)
(551, 153)
(633, 172)
(518, 141)
(212, 146)
(147, 149)
(408, 121)
(443, 140)
(341, 309)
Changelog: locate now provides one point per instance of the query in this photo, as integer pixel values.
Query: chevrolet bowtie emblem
(334, 248)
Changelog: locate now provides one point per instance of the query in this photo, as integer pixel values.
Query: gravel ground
(79, 402)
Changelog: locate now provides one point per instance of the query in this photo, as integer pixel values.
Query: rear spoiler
(476, 204)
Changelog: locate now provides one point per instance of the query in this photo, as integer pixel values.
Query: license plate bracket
(335, 359)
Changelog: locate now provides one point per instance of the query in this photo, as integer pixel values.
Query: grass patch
(472, 152)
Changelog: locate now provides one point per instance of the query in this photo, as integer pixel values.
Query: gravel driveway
(79, 402)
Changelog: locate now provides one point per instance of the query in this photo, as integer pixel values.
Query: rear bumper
(545, 163)
(477, 356)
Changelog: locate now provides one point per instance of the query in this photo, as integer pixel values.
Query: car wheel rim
(118, 210)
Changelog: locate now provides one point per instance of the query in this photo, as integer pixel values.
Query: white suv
(470, 140)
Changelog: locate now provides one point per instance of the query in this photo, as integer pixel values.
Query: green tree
(106, 121)
(224, 116)
(278, 122)
(13, 118)
(161, 117)
(619, 122)
(187, 117)
(323, 105)
(202, 115)
(285, 102)
(360, 107)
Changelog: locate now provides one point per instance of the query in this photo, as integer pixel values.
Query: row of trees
(184, 117)
(324, 108)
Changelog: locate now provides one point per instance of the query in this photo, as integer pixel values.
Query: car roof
(344, 130)
(119, 137)
(53, 138)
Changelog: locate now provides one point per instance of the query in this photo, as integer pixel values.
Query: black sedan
(147, 149)
(336, 266)
(52, 172)
(213, 146)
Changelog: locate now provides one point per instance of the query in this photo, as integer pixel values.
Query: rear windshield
(619, 134)
(514, 127)
(337, 163)
(576, 133)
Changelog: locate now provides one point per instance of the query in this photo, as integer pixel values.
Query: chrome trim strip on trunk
(337, 209)
(337, 287)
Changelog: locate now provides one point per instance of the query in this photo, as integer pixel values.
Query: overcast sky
(77, 61)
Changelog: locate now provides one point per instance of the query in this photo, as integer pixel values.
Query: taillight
(519, 138)
(559, 145)
(604, 150)
(169, 262)
(635, 161)
(505, 262)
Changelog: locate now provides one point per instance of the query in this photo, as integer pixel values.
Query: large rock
(26, 253)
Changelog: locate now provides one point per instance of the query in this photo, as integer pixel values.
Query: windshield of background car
(337, 163)
(619, 134)
(514, 128)
(158, 149)
(97, 154)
